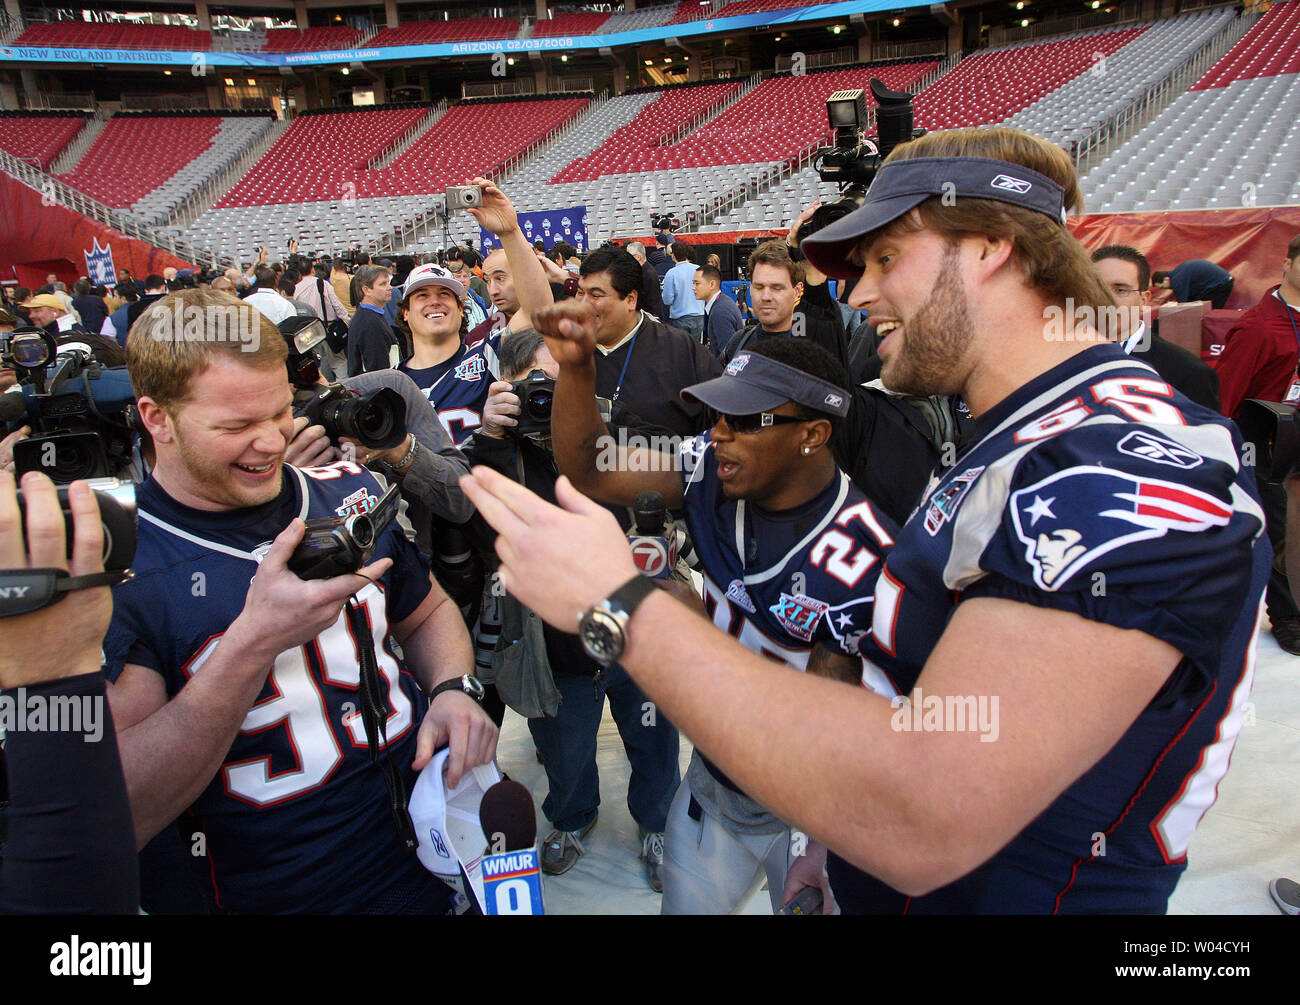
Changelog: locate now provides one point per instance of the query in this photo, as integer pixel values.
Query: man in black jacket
(1128, 274)
(372, 344)
(652, 297)
(790, 297)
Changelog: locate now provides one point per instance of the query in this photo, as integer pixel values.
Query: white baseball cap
(432, 275)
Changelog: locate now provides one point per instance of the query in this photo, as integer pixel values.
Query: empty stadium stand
(352, 201)
(38, 138)
(990, 86)
(1230, 141)
(655, 125)
(467, 29)
(321, 155)
(151, 163)
(1072, 111)
(637, 20)
(118, 35)
(322, 39)
(562, 25)
(738, 7)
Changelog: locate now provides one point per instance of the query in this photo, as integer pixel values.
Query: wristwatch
(603, 628)
(469, 684)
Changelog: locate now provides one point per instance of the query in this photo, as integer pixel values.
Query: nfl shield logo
(99, 265)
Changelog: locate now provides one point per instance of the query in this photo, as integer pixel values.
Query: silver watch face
(602, 635)
(472, 686)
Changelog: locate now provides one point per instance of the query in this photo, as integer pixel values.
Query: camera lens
(539, 404)
(362, 531)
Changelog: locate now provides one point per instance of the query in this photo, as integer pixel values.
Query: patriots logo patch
(850, 623)
(1075, 516)
(739, 596)
(943, 504)
(471, 369)
(799, 614)
(737, 364)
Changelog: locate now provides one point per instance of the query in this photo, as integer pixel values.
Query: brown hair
(162, 363)
(1293, 249)
(1052, 260)
(775, 253)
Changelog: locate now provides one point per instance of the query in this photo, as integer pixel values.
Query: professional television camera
(1273, 428)
(78, 410)
(854, 160)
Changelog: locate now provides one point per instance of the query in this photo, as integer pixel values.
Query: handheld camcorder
(536, 393)
(854, 160)
(76, 408)
(335, 545)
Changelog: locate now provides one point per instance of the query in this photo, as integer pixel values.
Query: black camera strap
(25, 590)
(374, 717)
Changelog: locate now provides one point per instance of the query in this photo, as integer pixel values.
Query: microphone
(512, 877)
(654, 549)
(13, 406)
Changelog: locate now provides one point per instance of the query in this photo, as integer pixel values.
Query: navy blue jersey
(1099, 490)
(781, 582)
(458, 387)
(297, 817)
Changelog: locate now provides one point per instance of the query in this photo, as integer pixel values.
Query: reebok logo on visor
(1006, 182)
(834, 400)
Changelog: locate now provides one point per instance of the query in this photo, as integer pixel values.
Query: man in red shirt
(1259, 360)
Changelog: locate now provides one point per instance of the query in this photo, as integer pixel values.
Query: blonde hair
(1052, 260)
(163, 354)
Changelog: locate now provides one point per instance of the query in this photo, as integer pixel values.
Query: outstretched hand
(558, 561)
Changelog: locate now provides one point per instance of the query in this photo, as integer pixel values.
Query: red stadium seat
(85, 35)
(1269, 49)
(39, 138)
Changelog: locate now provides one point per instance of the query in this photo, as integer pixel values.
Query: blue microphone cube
(512, 883)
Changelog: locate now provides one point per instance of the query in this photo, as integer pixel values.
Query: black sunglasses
(752, 423)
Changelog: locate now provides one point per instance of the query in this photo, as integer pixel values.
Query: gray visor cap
(752, 383)
(904, 185)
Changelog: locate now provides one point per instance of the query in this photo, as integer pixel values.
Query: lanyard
(1290, 316)
(623, 373)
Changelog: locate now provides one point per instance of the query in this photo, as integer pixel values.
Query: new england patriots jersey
(458, 387)
(1099, 490)
(782, 582)
(297, 817)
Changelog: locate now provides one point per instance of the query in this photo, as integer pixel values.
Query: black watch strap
(467, 684)
(627, 598)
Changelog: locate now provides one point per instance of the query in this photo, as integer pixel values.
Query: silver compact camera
(464, 197)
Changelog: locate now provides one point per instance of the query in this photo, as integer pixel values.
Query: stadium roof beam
(692, 57)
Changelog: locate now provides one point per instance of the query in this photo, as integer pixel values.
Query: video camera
(854, 160)
(664, 222)
(1274, 430)
(77, 409)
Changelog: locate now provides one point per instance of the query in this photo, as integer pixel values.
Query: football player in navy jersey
(1089, 571)
(236, 685)
(453, 376)
(789, 549)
